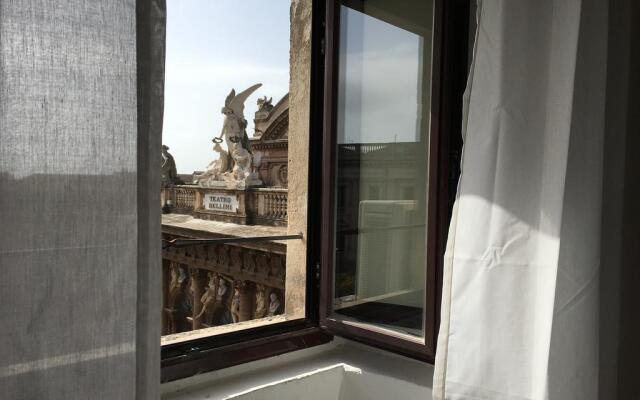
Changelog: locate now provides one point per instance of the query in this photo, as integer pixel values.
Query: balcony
(212, 288)
(253, 206)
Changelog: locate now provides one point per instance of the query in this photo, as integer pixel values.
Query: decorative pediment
(272, 125)
(279, 129)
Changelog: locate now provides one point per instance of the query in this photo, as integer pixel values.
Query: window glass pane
(225, 163)
(381, 179)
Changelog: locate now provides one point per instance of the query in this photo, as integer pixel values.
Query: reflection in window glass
(382, 147)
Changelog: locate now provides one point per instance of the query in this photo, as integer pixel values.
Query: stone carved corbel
(235, 302)
(198, 279)
(223, 257)
(212, 254)
(236, 258)
(276, 268)
(260, 310)
(262, 264)
(221, 314)
(249, 263)
(275, 304)
(200, 253)
(178, 305)
(242, 304)
(208, 299)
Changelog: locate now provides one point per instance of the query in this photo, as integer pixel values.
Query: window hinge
(322, 46)
(317, 271)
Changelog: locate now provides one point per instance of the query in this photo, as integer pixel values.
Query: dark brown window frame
(451, 24)
(201, 355)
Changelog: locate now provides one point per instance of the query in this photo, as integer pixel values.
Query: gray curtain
(80, 126)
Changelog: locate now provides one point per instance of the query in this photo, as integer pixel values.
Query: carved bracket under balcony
(196, 298)
(233, 263)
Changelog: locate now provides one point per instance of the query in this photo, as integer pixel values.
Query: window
(388, 141)
(238, 256)
(351, 241)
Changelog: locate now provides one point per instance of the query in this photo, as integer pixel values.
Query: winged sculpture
(238, 159)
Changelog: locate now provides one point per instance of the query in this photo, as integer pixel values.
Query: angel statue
(234, 131)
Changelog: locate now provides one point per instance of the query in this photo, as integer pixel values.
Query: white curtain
(520, 295)
(80, 267)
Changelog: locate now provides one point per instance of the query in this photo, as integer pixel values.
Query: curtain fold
(151, 18)
(520, 292)
(79, 291)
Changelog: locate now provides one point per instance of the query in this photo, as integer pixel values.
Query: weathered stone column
(261, 303)
(247, 300)
(198, 282)
(298, 168)
(198, 200)
(173, 298)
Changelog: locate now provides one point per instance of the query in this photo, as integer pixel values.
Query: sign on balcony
(220, 202)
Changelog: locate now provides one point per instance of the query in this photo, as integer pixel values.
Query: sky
(216, 45)
(212, 47)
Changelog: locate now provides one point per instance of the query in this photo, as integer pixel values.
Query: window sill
(338, 370)
(220, 330)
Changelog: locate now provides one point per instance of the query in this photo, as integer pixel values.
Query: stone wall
(299, 117)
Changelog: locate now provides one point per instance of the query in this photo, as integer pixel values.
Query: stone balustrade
(253, 206)
(272, 204)
(185, 197)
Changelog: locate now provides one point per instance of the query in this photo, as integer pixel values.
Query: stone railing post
(197, 203)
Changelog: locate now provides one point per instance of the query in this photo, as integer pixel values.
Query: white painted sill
(340, 370)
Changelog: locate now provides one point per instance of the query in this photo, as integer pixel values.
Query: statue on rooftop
(238, 174)
(169, 174)
(264, 104)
